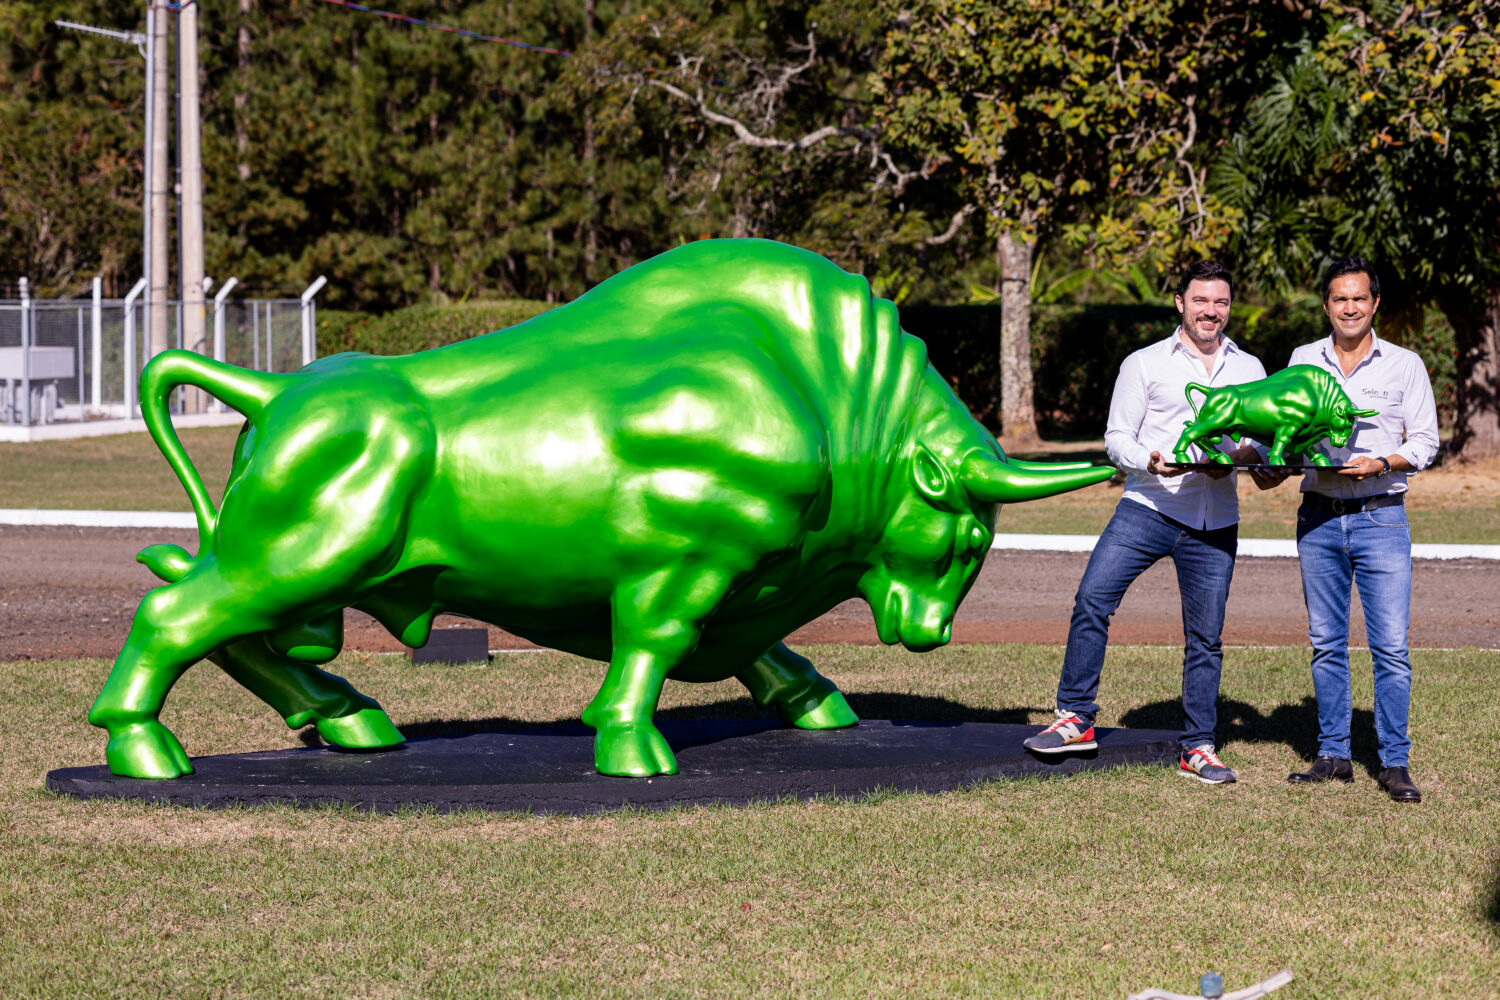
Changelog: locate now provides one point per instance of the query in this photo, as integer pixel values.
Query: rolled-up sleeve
(1421, 444)
(1127, 412)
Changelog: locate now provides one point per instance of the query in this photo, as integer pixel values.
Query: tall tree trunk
(1476, 328)
(1017, 408)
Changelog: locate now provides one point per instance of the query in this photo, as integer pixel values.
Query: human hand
(1268, 479)
(1158, 466)
(1363, 467)
(1263, 477)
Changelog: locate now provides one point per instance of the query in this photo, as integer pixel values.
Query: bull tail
(248, 392)
(1188, 392)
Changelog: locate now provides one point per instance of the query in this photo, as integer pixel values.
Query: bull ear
(991, 479)
(933, 480)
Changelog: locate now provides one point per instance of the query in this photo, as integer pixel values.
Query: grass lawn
(1093, 886)
(125, 472)
(113, 472)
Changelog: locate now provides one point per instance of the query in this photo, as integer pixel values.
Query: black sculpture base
(551, 770)
(1296, 468)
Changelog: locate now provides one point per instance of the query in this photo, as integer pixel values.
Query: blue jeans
(1373, 549)
(1135, 538)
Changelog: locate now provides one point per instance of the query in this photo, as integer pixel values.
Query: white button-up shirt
(1394, 381)
(1148, 413)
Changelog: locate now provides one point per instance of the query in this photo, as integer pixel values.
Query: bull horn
(1021, 463)
(991, 479)
(1364, 413)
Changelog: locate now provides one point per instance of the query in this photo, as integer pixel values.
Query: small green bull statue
(1294, 409)
(669, 474)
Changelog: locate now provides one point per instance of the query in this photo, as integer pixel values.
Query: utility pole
(146, 45)
(190, 218)
(156, 294)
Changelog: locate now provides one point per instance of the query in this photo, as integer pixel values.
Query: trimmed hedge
(1075, 354)
(418, 328)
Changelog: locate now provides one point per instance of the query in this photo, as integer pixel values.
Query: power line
(457, 31)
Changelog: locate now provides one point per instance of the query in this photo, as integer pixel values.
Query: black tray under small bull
(1292, 467)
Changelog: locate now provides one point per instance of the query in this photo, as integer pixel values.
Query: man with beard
(1166, 510)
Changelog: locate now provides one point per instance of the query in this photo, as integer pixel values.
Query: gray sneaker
(1202, 763)
(1067, 734)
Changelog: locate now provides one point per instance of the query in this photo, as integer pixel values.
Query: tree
(770, 113)
(70, 166)
(406, 164)
(1377, 133)
(1078, 120)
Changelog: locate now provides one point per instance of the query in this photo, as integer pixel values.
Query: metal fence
(75, 361)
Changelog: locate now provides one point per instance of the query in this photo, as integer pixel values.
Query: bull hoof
(367, 729)
(635, 750)
(146, 750)
(821, 707)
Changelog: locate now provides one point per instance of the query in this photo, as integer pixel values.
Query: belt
(1353, 505)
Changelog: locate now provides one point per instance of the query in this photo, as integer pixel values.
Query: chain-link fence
(80, 360)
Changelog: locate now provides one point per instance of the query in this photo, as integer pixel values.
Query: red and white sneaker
(1067, 734)
(1202, 763)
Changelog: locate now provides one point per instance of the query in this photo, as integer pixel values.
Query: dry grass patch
(112, 472)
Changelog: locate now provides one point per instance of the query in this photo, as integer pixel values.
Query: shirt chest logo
(1375, 393)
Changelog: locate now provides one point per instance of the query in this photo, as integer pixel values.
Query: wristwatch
(1385, 466)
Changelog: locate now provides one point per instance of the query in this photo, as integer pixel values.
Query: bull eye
(976, 538)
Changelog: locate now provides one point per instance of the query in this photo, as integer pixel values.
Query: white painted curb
(98, 518)
(1282, 548)
(16, 433)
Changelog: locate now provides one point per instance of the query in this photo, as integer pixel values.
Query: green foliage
(768, 108)
(418, 328)
(1037, 112)
(70, 180)
(412, 166)
(1378, 134)
(405, 164)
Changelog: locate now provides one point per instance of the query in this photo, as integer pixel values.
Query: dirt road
(70, 592)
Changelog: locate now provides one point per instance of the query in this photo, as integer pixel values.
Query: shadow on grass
(1492, 911)
(871, 705)
(1295, 725)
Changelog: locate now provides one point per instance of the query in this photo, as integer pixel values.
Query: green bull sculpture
(1294, 409)
(669, 474)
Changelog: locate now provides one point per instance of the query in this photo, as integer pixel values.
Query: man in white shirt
(1192, 516)
(1352, 527)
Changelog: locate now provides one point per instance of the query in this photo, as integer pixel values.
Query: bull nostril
(947, 630)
